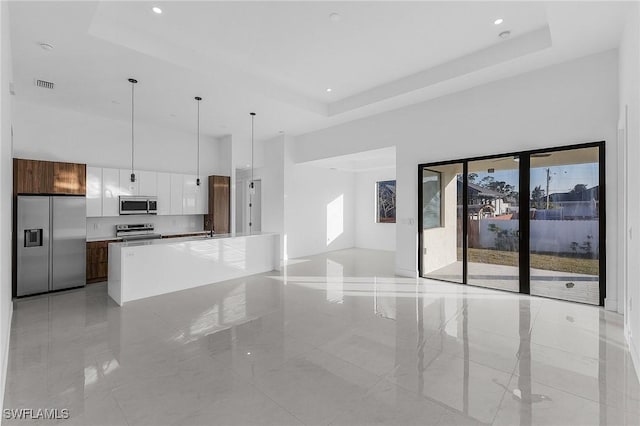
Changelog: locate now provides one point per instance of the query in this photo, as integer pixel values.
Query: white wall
(273, 189)
(629, 98)
(56, 134)
(369, 233)
(312, 208)
(564, 104)
(6, 189)
(320, 210)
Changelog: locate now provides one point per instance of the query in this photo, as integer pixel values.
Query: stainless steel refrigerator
(51, 243)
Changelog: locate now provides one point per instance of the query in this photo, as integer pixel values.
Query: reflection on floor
(545, 283)
(333, 339)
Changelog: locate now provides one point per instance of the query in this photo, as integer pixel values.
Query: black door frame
(524, 222)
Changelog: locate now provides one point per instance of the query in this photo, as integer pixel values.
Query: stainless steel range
(141, 231)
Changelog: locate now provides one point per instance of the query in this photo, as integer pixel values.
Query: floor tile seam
(266, 395)
(573, 325)
(366, 394)
(126, 419)
(510, 373)
(430, 399)
(565, 352)
(513, 373)
(433, 400)
(356, 365)
(48, 365)
(552, 386)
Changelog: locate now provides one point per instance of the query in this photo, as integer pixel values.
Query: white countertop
(166, 234)
(95, 239)
(167, 241)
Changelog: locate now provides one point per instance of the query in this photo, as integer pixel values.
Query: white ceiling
(278, 58)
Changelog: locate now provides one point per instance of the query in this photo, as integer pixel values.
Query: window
(386, 201)
(432, 206)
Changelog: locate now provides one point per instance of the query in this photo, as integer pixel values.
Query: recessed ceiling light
(498, 21)
(156, 9)
(335, 17)
(328, 89)
(46, 46)
(504, 34)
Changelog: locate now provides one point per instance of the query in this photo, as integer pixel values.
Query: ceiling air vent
(45, 84)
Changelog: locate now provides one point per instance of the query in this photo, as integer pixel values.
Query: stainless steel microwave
(138, 205)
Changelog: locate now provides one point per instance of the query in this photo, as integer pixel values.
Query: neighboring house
(483, 202)
(581, 203)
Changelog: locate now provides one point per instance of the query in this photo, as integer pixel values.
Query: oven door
(133, 205)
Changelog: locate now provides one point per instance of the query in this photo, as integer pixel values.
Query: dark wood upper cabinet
(69, 178)
(32, 176)
(48, 177)
(219, 205)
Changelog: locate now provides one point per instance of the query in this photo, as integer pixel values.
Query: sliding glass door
(442, 209)
(565, 224)
(493, 231)
(529, 222)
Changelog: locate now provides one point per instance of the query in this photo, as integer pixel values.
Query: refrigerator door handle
(50, 235)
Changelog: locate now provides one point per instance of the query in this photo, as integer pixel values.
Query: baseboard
(410, 273)
(5, 364)
(610, 304)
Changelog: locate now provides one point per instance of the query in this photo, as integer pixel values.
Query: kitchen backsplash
(98, 227)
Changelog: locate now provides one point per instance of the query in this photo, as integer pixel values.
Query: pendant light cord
(198, 154)
(133, 82)
(132, 125)
(251, 185)
(252, 119)
(198, 99)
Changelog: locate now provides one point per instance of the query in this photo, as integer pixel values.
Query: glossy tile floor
(333, 339)
(543, 282)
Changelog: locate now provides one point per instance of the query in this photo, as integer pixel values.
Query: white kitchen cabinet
(202, 197)
(126, 186)
(110, 192)
(94, 191)
(147, 183)
(189, 194)
(164, 193)
(176, 194)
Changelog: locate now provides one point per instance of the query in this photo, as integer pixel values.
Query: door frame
(524, 221)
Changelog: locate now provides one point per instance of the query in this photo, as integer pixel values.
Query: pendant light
(198, 98)
(133, 82)
(252, 189)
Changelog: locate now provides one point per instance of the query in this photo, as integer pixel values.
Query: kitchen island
(140, 269)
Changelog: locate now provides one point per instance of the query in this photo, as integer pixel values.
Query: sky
(563, 178)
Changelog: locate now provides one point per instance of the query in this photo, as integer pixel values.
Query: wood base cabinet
(97, 261)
